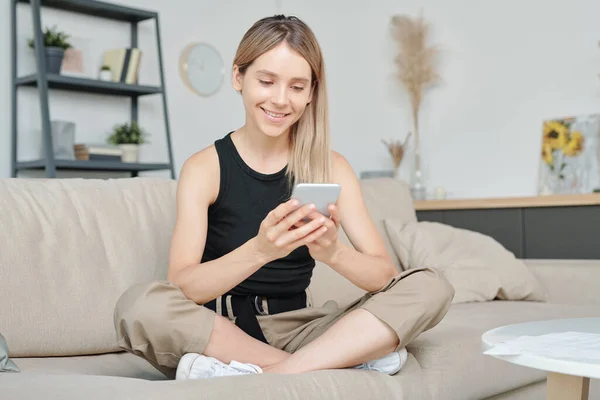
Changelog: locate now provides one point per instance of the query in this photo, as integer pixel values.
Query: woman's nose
(281, 96)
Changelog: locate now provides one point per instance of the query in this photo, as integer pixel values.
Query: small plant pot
(105, 75)
(131, 153)
(54, 59)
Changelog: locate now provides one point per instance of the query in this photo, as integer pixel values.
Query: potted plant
(55, 44)
(128, 137)
(105, 74)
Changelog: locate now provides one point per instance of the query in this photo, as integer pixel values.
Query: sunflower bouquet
(559, 142)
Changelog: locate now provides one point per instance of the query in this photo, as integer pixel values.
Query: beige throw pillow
(479, 268)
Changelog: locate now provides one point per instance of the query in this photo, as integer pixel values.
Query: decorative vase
(54, 59)
(417, 187)
(417, 184)
(131, 153)
(63, 139)
(105, 75)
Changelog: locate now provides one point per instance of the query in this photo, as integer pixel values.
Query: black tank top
(245, 198)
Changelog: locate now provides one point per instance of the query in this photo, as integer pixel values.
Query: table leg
(567, 387)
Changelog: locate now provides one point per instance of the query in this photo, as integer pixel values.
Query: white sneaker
(197, 366)
(388, 364)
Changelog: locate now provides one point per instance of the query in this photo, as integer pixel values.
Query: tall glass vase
(417, 184)
(417, 187)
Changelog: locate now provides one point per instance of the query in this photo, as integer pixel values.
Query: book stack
(97, 152)
(124, 64)
(81, 152)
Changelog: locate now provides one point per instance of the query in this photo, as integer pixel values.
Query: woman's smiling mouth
(273, 116)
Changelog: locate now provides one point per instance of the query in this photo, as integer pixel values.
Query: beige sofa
(70, 247)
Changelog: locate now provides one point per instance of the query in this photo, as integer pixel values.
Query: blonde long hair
(310, 159)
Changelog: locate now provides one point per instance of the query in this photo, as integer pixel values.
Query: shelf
(45, 82)
(72, 83)
(93, 165)
(98, 9)
(565, 200)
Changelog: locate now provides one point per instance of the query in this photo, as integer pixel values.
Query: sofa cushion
(328, 284)
(568, 281)
(451, 354)
(70, 247)
(388, 198)
(479, 268)
(121, 364)
(6, 364)
(337, 384)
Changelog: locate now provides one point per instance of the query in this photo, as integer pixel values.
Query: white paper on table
(566, 345)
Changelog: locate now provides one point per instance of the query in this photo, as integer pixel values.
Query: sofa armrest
(568, 281)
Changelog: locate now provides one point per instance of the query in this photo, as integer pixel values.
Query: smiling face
(276, 89)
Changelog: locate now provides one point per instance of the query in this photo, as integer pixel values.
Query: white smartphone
(320, 194)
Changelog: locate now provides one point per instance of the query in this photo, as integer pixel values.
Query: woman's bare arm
(197, 188)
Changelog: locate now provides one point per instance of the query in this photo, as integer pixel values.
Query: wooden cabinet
(551, 227)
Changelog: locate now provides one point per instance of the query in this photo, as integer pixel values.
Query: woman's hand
(276, 239)
(325, 247)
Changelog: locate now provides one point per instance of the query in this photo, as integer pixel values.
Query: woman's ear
(237, 79)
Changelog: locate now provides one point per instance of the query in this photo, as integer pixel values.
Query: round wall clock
(201, 68)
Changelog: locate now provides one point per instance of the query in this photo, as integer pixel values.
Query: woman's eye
(298, 88)
(265, 83)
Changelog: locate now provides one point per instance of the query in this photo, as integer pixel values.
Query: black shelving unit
(44, 81)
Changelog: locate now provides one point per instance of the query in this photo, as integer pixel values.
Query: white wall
(507, 65)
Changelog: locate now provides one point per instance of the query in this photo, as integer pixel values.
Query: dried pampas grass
(416, 64)
(396, 149)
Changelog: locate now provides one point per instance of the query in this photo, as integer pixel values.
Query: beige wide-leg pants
(157, 322)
